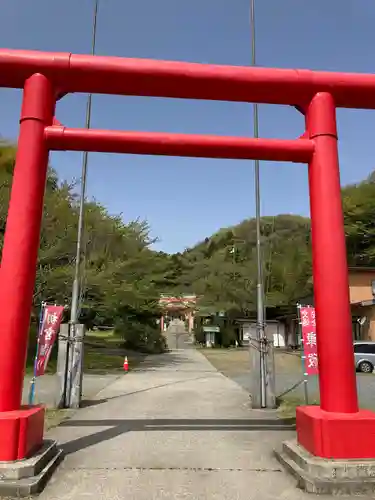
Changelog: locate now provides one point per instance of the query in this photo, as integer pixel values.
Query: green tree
(121, 274)
(359, 215)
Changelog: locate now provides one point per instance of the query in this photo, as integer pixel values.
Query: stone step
(26, 485)
(304, 482)
(314, 474)
(31, 466)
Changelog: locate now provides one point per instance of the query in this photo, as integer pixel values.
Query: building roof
(364, 303)
(361, 269)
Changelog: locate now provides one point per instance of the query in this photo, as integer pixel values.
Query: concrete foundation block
(324, 476)
(23, 478)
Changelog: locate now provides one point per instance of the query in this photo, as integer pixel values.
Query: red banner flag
(52, 318)
(308, 327)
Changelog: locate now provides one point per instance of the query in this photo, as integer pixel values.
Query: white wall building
(275, 330)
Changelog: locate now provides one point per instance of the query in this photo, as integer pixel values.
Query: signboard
(50, 325)
(211, 329)
(308, 327)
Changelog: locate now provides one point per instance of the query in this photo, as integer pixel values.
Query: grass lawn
(103, 338)
(228, 361)
(288, 404)
(54, 417)
(236, 361)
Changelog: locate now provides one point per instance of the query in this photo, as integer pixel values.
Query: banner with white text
(52, 317)
(308, 327)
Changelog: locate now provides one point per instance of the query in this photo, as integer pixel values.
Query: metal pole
(260, 288)
(74, 314)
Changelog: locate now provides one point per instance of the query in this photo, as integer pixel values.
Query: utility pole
(261, 334)
(72, 389)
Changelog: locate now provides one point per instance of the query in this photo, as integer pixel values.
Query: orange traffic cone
(126, 364)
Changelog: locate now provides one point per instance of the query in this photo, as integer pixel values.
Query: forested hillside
(123, 276)
(222, 269)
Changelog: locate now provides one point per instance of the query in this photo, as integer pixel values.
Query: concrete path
(175, 429)
(177, 336)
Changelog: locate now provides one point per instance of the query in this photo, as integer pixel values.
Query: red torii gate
(336, 429)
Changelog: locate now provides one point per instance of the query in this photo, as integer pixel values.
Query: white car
(364, 356)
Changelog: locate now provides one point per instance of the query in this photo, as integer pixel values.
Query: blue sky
(183, 199)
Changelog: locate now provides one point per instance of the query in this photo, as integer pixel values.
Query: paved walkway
(177, 336)
(175, 429)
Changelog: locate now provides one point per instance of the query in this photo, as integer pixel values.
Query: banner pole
(33, 380)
